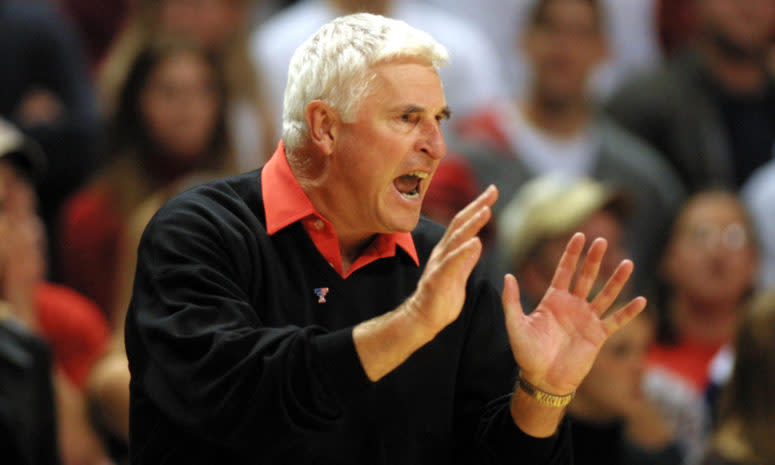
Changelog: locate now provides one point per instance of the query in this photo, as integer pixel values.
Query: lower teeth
(411, 195)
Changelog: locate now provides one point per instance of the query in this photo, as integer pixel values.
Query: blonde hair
(335, 65)
(748, 402)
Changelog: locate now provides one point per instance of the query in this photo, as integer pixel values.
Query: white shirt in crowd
(631, 25)
(472, 78)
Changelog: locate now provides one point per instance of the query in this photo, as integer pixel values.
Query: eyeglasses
(732, 237)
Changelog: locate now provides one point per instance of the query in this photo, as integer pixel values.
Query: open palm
(556, 345)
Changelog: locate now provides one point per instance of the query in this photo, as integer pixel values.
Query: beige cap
(23, 151)
(550, 206)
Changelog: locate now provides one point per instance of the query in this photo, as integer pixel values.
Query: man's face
(742, 26)
(382, 163)
(564, 49)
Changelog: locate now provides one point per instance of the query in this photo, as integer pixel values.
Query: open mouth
(408, 185)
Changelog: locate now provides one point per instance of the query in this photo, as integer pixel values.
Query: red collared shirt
(285, 203)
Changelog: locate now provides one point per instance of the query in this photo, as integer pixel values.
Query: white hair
(335, 65)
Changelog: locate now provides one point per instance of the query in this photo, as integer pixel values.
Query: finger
(512, 307)
(461, 231)
(567, 266)
(485, 199)
(461, 261)
(621, 317)
(613, 287)
(590, 268)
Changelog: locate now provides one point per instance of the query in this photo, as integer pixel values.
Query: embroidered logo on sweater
(321, 292)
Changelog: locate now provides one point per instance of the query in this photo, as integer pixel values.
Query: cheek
(157, 116)
(680, 258)
(744, 266)
(205, 113)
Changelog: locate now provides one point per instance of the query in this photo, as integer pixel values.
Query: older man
(304, 313)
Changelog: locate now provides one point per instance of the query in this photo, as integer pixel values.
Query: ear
(322, 121)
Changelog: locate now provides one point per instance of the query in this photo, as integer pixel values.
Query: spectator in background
(53, 335)
(45, 90)
(630, 25)
(613, 422)
(744, 436)
(711, 110)
(28, 430)
(220, 27)
(708, 269)
(472, 77)
(758, 193)
(557, 129)
(536, 223)
(108, 386)
(170, 121)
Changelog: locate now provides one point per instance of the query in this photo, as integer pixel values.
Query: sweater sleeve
(201, 356)
(487, 378)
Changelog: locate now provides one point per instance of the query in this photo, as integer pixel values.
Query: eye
(411, 118)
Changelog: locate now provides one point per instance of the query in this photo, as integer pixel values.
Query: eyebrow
(445, 112)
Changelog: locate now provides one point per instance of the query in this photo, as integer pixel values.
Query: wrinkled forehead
(414, 80)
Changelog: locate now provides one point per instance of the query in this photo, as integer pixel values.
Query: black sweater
(234, 360)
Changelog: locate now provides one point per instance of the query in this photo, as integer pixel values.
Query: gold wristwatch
(544, 397)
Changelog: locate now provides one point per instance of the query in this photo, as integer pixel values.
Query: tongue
(406, 184)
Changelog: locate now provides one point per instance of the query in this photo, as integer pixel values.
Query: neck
(738, 72)
(168, 169)
(312, 174)
(711, 321)
(563, 119)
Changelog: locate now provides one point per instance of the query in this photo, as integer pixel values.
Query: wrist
(533, 417)
(422, 327)
(544, 397)
(385, 342)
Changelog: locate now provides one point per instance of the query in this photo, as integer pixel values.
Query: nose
(431, 140)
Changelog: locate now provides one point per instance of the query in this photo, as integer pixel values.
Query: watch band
(544, 397)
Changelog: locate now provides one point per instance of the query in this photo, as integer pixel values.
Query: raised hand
(441, 291)
(384, 342)
(556, 344)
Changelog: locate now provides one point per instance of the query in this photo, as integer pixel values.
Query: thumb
(512, 307)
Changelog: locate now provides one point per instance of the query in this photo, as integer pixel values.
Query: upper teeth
(418, 174)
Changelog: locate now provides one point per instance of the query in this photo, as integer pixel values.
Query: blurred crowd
(650, 123)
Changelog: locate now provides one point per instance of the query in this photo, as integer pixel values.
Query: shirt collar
(285, 203)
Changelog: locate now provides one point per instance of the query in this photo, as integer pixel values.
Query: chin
(404, 224)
